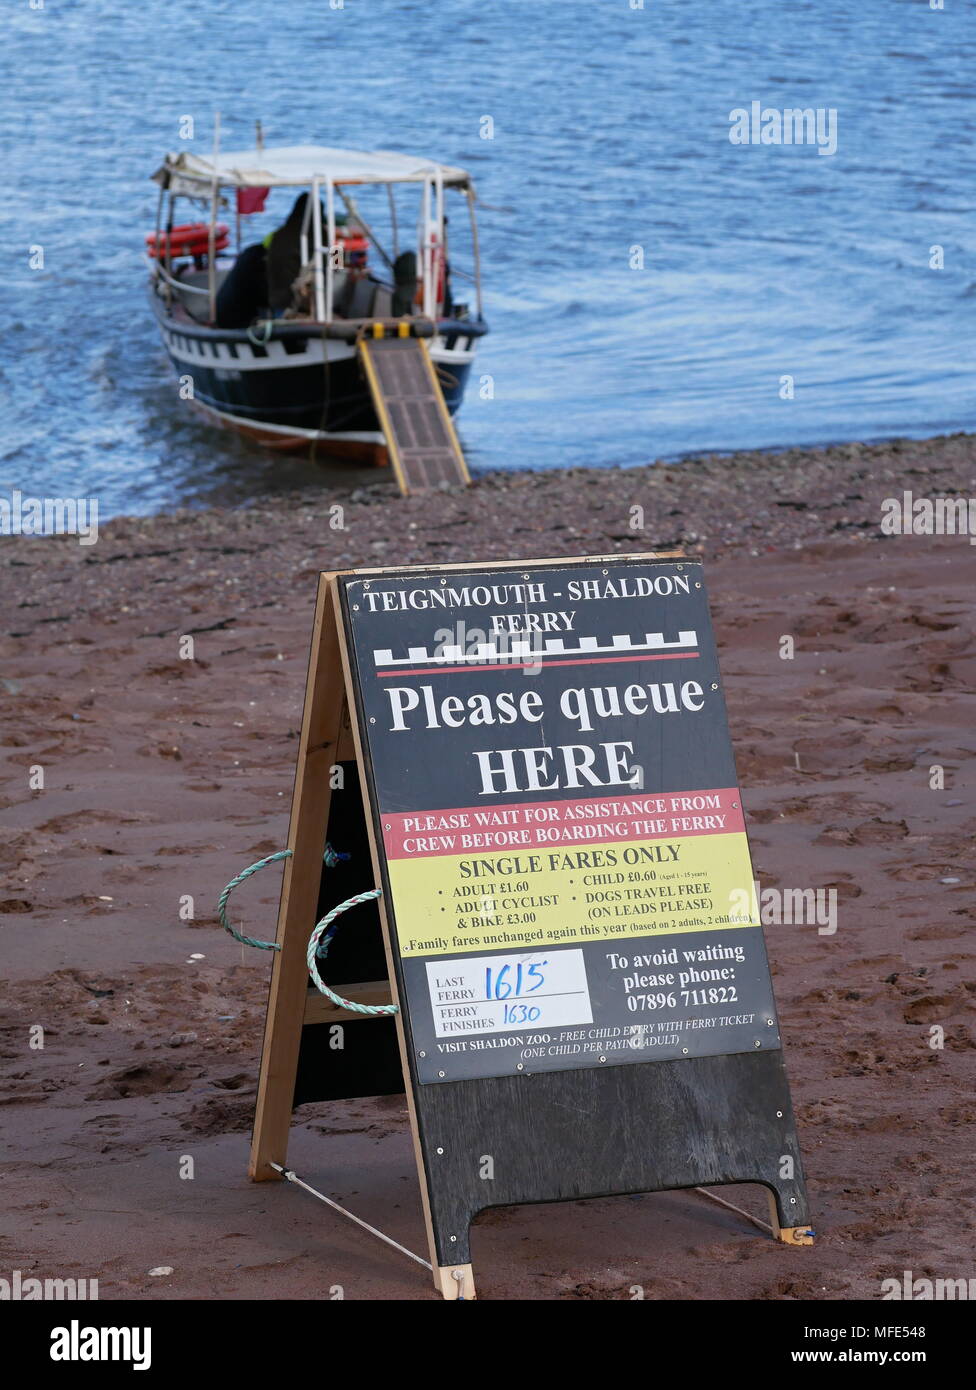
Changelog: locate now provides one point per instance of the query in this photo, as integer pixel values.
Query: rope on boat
(444, 377)
(256, 339)
(331, 857)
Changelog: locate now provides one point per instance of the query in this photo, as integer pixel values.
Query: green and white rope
(322, 933)
(330, 857)
(318, 946)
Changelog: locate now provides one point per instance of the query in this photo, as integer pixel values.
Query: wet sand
(163, 777)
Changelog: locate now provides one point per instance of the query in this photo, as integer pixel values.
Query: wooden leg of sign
(455, 1281)
(318, 751)
(789, 1235)
(451, 1281)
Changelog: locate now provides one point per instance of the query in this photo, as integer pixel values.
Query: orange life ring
(192, 239)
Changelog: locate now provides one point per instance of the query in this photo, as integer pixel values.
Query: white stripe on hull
(217, 354)
(184, 348)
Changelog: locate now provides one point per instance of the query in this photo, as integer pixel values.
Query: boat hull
(300, 387)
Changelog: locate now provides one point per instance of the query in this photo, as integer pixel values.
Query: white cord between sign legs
(756, 1221)
(293, 1177)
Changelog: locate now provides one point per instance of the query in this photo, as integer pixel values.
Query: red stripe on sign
(534, 665)
(537, 825)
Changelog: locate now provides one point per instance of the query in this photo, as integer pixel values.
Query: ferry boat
(264, 338)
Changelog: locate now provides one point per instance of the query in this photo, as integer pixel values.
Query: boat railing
(172, 280)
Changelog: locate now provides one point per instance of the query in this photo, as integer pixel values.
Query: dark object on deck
(405, 282)
(420, 438)
(285, 257)
(243, 296)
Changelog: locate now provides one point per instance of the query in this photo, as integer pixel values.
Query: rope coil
(322, 933)
(235, 883)
(330, 858)
(318, 945)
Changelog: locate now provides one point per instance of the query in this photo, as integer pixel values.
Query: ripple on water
(610, 134)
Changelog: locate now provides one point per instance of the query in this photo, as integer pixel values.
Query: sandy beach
(163, 777)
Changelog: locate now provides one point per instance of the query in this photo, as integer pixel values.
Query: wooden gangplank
(413, 414)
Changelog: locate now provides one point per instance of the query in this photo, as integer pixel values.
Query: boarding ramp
(413, 415)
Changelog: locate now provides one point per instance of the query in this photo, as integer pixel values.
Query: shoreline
(719, 494)
(163, 777)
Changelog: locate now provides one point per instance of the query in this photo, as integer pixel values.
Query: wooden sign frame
(717, 1119)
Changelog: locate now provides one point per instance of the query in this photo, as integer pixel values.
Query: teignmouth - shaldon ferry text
(333, 327)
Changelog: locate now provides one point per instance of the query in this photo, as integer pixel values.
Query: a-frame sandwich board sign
(568, 920)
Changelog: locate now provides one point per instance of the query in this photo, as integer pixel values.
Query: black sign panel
(565, 864)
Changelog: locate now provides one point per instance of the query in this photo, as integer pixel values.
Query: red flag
(251, 200)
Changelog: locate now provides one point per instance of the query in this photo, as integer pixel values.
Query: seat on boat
(357, 302)
(240, 295)
(198, 305)
(362, 297)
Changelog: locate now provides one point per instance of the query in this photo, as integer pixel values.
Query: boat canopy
(300, 165)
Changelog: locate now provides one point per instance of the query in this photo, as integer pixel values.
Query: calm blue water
(610, 130)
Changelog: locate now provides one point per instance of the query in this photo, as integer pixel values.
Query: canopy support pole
(393, 220)
(439, 254)
(212, 236)
(323, 298)
(303, 234)
(477, 249)
(425, 255)
(168, 256)
(330, 217)
(159, 223)
(352, 207)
